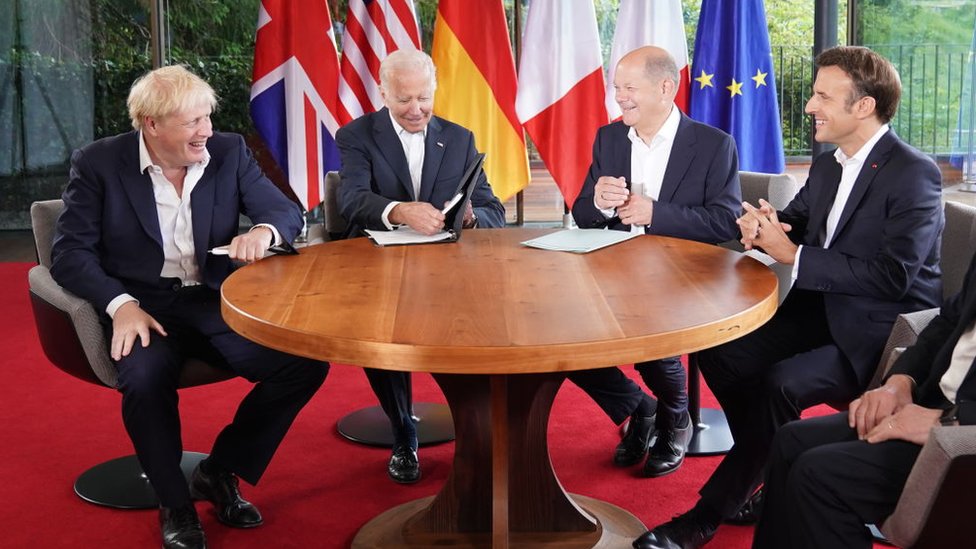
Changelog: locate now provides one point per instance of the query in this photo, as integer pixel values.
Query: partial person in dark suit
(141, 211)
(400, 166)
(688, 178)
(829, 476)
(863, 238)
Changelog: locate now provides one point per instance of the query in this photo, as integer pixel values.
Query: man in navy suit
(686, 175)
(141, 211)
(400, 166)
(829, 476)
(863, 238)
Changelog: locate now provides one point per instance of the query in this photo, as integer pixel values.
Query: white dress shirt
(648, 161)
(963, 356)
(413, 147)
(850, 169)
(175, 223)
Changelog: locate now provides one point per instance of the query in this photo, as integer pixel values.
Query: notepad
(579, 241)
(406, 235)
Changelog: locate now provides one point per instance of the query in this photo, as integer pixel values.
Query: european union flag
(732, 81)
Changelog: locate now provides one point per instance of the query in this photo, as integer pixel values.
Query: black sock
(647, 407)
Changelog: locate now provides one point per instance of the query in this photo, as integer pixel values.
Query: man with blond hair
(141, 211)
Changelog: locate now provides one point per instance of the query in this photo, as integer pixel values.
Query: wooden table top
(487, 305)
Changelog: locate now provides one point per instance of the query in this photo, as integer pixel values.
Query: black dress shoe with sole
(222, 489)
(687, 531)
(404, 466)
(750, 511)
(668, 451)
(181, 528)
(635, 443)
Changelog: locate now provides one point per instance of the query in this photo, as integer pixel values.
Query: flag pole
(519, 196)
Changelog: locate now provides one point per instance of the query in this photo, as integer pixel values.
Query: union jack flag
(299, 94)
(294, 92)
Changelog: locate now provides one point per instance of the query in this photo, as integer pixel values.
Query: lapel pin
(875, 166)
(439, 144)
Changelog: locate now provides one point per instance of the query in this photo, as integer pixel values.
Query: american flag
(294, 92)
(298, 96)
(374, 29)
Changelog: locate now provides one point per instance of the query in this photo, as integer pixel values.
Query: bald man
(655, 171)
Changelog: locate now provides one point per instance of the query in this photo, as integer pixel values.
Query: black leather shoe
(636, 442)
(750, 511)
(221, 489)
(181, 528)
(404, 467)
(687, 531)
(668, 452)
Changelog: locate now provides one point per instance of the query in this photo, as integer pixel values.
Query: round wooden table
(499, 324)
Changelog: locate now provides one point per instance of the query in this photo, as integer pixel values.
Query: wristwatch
(950, 416)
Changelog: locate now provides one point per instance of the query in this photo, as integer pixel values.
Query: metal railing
(934, 95)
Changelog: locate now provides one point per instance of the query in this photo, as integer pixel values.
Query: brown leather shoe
(221, 489)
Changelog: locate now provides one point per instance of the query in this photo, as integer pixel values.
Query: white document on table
(579, 241)
(406, 235)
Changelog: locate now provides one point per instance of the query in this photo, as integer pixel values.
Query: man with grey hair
(141, 211)
(400, 165)
(655, 171)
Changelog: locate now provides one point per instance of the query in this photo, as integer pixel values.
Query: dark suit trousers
(394, 391)
(619, 396)
(763, 381)
(823, 485)
(148, 380)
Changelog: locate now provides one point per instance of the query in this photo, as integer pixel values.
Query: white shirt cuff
(119, 301)
(277, 235)
(796, 264)
(386, 214)
(606, 213)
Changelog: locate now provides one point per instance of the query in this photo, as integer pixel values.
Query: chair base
(371, 426)
(121, 483)
(712, 435)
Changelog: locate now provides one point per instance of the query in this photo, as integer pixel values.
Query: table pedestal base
(616, 528)
(502, 491)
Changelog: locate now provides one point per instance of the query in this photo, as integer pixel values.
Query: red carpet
(319, 490)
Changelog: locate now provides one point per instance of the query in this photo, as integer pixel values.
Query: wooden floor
(541, 201)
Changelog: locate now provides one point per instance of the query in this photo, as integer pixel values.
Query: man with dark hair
(863, 238)
(829, 476)
(655, 171)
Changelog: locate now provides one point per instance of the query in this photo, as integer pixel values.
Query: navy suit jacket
(884, 257)
(108, 239)
(375, 172)
(929, 358)
(700, 197)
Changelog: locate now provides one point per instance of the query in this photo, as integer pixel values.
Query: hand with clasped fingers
(761, 228)
(887, 413)
(877, 405)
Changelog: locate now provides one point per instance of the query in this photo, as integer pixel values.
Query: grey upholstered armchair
(74, 340)
(934, 508)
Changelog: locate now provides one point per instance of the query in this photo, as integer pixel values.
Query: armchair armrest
(904, 333)
(937, 497)
(84, 320)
